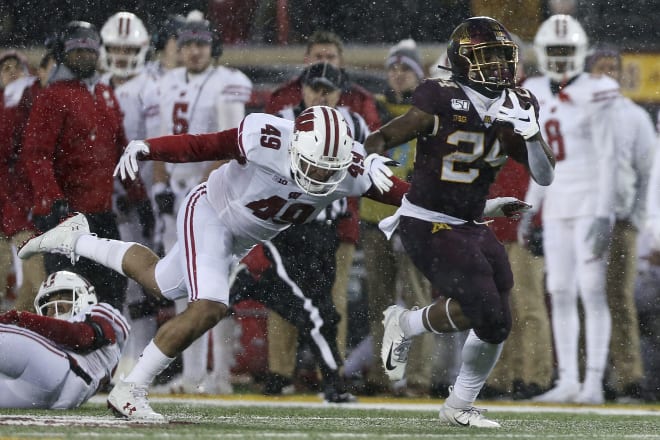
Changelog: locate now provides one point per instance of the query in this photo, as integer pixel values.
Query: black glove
(165, 201)
(58, 211)
(147, 220)
(100, 339)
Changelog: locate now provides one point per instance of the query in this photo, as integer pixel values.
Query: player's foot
(590, 396)
(395, 348)
(128, 400)
(563, 392)
(59, 240)
(471, 417)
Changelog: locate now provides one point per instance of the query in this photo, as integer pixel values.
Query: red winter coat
(71, 145)
(357, 98)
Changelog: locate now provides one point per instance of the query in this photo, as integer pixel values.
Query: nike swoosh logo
(461, 423)
(388, 362)
(524, 120)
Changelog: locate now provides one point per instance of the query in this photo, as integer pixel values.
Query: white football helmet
(124, 30)
(79, 294)
(321, 150)
(557, 32)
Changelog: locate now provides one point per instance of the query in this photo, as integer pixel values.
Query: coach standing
(72, 141)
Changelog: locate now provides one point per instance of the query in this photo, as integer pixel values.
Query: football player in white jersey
(578, 206)
(61, 355)
(198, 97)
(282, 173)
(122, 57)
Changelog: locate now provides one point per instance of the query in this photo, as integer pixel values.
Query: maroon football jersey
(454, 167)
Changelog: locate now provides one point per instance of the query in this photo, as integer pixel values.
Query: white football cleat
(59, 240)
(466, 418)
(563, 392)
(128, 400)
(395, 348)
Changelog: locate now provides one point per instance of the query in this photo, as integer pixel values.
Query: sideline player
(465, 128)
(60, 356)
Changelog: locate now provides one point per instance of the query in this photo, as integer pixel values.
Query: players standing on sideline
(635, 146)
(578, 206)
(73, 137)
(18, 90)
(465, 128)
(62, 354)
(123, 57)
(284, 173)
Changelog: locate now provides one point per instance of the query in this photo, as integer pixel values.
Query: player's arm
(540, 159)
(399, 130)
(222, 145)
(91, 334)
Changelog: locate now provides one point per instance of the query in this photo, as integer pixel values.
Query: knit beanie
(405, 52)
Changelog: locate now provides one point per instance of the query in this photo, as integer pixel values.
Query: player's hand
(128, 162)
(599, 234)
(523, 120)
(505, 207)
(377, 167)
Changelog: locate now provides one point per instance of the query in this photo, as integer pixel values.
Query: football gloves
(523, 120)
(378, 171)
(128, 165)
(505, 207)
(599, 234)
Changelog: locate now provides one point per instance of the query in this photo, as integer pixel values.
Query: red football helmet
(482, 52)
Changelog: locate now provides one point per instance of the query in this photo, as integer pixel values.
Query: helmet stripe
(326, 119)
(305, 121)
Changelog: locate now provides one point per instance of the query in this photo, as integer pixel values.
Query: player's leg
(559, 247)
(199, 265)
(597, 319)
(32, 376)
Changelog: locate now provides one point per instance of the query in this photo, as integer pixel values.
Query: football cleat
(466, 418)
(563, 392)
(395, 348)
(59, 240)
(590, 396)
(128, 400)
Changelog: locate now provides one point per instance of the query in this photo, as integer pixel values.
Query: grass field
(305, 417)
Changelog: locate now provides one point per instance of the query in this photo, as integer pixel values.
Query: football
(512, 144)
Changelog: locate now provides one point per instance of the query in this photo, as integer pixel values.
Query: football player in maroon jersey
(466, 127)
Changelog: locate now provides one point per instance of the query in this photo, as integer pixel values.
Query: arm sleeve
(604, 139)
(393, 196)
(222, 145)
(77, 336)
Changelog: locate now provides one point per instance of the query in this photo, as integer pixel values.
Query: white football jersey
(573, 125)
(258, 198)
(131, 101)
(191, 103)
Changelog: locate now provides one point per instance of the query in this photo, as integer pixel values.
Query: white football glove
(505, 207)
(378, 171)
(524, 121)
(128, 162)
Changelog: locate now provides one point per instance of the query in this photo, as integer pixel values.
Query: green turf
(321, 422)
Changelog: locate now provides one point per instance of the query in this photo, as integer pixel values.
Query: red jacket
(16, 197)
(357, 98)
(511, 181)
(72, 142)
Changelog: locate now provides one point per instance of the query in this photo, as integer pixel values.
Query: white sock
(598, 329)
(151, 363)
(566, 331)
(412, 322)
(107, 252)
(478, 358)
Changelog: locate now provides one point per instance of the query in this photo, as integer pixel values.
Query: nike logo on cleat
(388, 362)
(524, 120)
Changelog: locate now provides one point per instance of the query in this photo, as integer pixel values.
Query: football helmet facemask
(320, 150)
(124, 30)
(71, 289)
(482, 52)
(561, 47)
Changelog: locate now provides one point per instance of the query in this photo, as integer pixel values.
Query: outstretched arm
(411, 124)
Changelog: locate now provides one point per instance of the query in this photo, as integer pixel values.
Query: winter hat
(405, 52)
